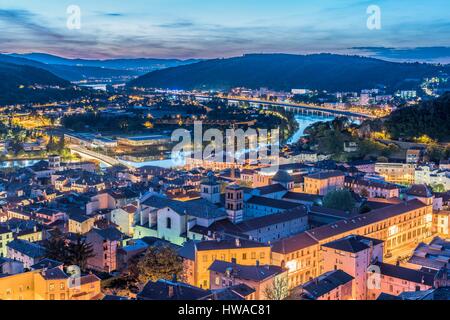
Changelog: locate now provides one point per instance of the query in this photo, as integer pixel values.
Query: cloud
(177, 24)
(113, 14)
(408, 54)
(129, 32)
(26, 20)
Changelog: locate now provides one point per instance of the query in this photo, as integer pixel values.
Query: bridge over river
(296, 108)
(89, 154)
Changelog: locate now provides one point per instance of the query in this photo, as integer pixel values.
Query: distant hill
(283, 72)
(139, 65)
(15, 82)
(431, 118)
(71, 72)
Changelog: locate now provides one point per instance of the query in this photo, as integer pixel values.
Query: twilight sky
(213, 28)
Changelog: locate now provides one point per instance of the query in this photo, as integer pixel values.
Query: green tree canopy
(70, 253)
(159, 263)
(339, 200)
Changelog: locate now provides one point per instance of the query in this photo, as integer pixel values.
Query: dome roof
(210, 179)
(282, 176)
(233, 186)
(419, 190)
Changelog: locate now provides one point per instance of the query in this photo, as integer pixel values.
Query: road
(288, 105)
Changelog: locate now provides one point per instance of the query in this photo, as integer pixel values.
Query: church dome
(282, 176)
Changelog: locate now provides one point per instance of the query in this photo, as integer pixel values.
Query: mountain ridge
(329, 72)
(16, 80)
(115, 63)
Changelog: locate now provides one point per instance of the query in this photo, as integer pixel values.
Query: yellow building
(396, 172)
(32, 235)
(52, 284)
(6, 236)
(199, 256)
(400, 226)
(300, 255)
(323, 182)
(441, 223)
(80, 224)
(14, 213)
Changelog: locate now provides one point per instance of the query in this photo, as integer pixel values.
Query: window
(169, 223)
(51, 286)
(244, 256)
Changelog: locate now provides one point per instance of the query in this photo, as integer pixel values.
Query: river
(17, 163)
(303, 122)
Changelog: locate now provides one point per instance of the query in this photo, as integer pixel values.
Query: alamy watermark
(374, 278)
(374, 19)
(73, 21)
(74, 280)
(252, 146)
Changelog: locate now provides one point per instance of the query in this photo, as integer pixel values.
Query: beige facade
(396, 172)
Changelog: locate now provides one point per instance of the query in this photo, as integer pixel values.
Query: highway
(89, 154)
(290, 106)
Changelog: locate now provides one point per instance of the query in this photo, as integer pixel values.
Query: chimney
(238, 242)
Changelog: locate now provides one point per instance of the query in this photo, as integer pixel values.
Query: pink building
(105, 243)
(48, 216)
(226, 274)
(332, 285)
(394, 280)
(353, 254)
(372, 189)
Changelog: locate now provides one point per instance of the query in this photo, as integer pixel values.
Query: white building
(429, 176)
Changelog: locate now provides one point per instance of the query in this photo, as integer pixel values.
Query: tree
(51, 145)
(438, 187)
(16, 147)
(339, 200)
(56, 248)
(70, 253)
(79, 252)
(278, 290)
(364, 193)
(159, 263)
(435, 152)
(61, 144)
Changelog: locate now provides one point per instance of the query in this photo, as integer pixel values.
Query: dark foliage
(431, 118)
(283, 72)
(22, 84)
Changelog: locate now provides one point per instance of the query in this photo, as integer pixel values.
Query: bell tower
(234, 203)
(210, 188)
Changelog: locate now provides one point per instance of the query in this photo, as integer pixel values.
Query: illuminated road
(89, 154)
(291, 106)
